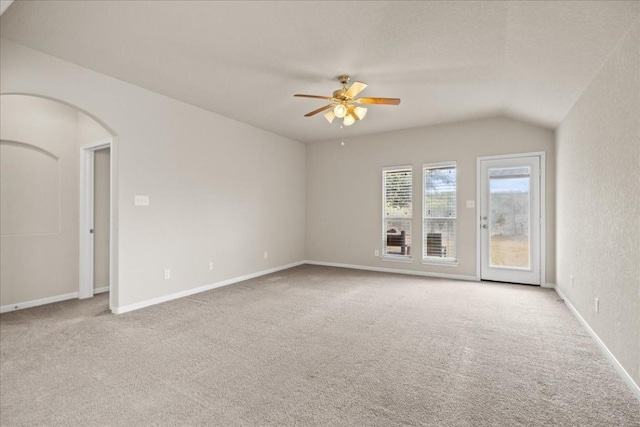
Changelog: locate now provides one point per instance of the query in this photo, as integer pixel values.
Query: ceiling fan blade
(355, 89)
(330, 115)
(313, 96)
(319, 110)
(384, 101)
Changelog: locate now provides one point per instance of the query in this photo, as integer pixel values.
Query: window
(397, 207)
(439, 224)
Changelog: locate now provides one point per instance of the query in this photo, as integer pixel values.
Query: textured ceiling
(448, 60)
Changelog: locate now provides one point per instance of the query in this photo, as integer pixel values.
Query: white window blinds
(439, 226)
(397, 211)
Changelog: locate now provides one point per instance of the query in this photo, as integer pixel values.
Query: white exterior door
(510, 219)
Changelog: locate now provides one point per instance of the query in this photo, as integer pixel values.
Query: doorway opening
(511, 226)
(96, 219)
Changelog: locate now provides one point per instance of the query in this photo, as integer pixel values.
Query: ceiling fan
(344, 103)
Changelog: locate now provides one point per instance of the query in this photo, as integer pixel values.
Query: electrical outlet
(597, 305)
(266, 254)
(572, 280)
(167, 274)
(210, 266)
(376, 252)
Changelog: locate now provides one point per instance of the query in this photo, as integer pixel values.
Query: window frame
(447, 261)
(408, 258)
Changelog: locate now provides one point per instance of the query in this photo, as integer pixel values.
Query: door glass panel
(509, 190)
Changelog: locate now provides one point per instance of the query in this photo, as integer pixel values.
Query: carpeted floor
(313, 346)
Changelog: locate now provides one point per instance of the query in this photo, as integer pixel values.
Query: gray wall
(39, 176)
(344, 188)
(598, 204)
(220, 191)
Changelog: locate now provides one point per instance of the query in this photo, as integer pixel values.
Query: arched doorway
(40, 235)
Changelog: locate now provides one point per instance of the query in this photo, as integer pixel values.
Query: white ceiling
(448, 61)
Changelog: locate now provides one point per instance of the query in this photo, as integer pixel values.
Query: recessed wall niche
(30, 190)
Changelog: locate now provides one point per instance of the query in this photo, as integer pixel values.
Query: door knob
(484, 225)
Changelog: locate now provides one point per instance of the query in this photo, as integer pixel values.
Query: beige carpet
(313, 346)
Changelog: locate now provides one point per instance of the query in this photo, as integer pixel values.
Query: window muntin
(397, 193)
(439, 219)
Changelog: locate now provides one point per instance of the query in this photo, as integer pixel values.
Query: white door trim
(87, 154)
(543, 221)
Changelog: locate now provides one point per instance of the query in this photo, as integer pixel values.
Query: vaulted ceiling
(447, 61)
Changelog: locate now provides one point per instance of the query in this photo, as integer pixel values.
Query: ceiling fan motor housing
(339, 94)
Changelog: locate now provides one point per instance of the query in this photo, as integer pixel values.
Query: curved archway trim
(68, 104)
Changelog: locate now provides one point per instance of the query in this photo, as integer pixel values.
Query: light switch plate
(471, 204)
(141, 200)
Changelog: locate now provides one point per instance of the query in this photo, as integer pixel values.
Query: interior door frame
(87, 156)
(543, 215)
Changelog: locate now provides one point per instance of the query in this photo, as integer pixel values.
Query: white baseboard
(618, 367)
(395, 270)
(34, 303)
(100, 289)
(182, 294)
(548, 285)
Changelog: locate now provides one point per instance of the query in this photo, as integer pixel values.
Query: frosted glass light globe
(340, 111)
(349, 120)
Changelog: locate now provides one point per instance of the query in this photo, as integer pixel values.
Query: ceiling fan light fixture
(340, 111)
(330, 116)
(349, 120)
(343, 103)
(360, 112)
